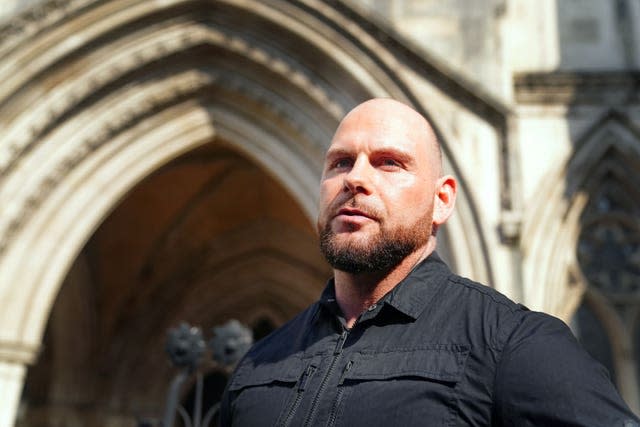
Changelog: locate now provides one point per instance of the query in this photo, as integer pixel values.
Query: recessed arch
(554, 281)
(92, 108)
(97, 95)
(185, 244)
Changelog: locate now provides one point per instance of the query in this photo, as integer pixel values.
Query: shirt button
(372, 307)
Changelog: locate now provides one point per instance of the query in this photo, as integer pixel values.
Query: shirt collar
(328, 297)
(410, 297)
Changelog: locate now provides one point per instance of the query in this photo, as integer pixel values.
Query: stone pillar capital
(18, 352)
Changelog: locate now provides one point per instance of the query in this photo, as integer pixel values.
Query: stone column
(14, 358)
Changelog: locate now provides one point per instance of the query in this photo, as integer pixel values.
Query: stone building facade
(159, 162)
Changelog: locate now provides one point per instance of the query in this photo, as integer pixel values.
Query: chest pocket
(286, 371)
(269, 393)
(404, 387)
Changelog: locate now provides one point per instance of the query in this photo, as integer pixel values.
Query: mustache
(355, 207)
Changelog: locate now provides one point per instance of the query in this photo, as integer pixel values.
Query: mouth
(351, 212)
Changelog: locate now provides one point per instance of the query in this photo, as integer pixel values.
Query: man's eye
(342, 163)
(389, 162)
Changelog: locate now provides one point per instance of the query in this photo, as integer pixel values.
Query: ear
(444, 199)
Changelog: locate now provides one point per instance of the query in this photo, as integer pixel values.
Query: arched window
(606, 169)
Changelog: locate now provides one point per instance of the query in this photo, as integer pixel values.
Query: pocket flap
(285, 370)
(440, 363)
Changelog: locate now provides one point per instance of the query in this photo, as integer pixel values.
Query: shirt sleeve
(545, 378)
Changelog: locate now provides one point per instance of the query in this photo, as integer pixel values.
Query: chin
(353, 239)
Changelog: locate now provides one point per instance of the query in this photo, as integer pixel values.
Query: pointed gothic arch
(582, 241)
(607, 153)
(96, 95)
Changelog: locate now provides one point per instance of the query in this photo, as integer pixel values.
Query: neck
(357, 292)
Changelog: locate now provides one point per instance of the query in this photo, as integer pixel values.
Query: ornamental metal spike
(230, 342)
(185, 347)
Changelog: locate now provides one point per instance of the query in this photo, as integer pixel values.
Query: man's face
(378, 188)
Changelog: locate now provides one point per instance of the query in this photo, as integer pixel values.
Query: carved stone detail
(17, 352)
(162, 97)
(189, 38)
(34, 19)
(609, 248)
(614, 87)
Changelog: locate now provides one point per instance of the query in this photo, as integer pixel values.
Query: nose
(358, 179)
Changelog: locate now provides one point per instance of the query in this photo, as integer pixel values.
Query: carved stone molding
(570, 224)
(383, 47)
(106, 129)
(16, 352)
(34, 19)
(191, 85)
(609, 253)
(566, 88)
(609, 246)
(183, 40)
(51, 113)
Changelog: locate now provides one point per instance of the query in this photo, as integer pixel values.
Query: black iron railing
(186, 348)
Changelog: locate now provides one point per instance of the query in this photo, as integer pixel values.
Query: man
(396, 339)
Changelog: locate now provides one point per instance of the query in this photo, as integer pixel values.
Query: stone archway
(207, 237)
(96, 96)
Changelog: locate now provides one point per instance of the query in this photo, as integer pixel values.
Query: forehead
(373, 128)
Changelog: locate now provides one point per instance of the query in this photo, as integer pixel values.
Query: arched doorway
(97, 96)
(208, 237)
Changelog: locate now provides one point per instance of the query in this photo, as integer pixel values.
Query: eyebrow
(401, 155)
(337, 152)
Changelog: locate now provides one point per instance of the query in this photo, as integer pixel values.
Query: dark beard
(383, 254)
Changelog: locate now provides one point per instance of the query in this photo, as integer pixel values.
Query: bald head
(383, 114)
(382, 193)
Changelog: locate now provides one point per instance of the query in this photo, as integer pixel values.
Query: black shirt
(437, 350)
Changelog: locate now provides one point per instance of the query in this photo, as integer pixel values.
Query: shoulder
(436, 272)
(491, 313)
(545, 375)
(489, 295)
